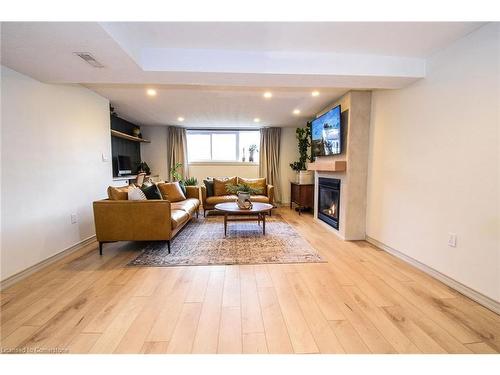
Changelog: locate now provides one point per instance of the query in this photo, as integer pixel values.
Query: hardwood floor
(362, 301)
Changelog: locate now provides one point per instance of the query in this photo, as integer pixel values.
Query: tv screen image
(326, 133)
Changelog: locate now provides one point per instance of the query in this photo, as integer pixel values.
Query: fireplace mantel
(328, 166)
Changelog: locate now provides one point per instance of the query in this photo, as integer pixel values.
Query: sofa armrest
(203, 189)
(123, 220)
(270, 194)
(193, 192)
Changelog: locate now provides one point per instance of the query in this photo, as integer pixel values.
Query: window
(222, 145)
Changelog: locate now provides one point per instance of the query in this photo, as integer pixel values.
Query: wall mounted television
(326, 133)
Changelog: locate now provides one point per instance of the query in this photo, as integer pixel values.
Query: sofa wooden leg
(204, 213)
(100, 248)
(168, 246)
(197, 213)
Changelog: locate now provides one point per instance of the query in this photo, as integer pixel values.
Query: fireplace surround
(329, 201)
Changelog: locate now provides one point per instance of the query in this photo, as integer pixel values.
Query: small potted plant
(243, 191)
(251, 151)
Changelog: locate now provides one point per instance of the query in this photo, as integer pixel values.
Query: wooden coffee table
(258, 209)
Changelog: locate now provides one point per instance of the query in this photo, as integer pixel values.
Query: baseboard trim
(11, 280)
(480, 298)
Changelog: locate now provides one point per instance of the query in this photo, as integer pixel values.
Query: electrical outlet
(73, 219)
(452, 239)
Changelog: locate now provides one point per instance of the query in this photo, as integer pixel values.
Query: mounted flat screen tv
(326, 133)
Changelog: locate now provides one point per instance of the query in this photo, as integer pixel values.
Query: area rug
(202, 242)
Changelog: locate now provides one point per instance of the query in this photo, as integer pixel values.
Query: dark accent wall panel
(120, 146)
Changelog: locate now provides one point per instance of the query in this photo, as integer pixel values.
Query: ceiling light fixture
(151, 92)
(180, 118)
(315, 93)
(268, 95)
(296, 111)
(256, 119)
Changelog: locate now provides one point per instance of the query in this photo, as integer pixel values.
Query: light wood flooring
(362, 301)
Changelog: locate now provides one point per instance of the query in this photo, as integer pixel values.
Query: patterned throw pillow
(220, 185)
(151, 192)
(256, 183)
(171, 191)
(135, 194)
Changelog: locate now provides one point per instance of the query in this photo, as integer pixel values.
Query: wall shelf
(328, 166)
(116, 133)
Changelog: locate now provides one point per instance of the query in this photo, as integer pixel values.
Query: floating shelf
(116, 133)
(328, 166)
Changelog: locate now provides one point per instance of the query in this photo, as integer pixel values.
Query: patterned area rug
(202, 242)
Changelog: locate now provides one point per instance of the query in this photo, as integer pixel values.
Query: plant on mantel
(304, 143)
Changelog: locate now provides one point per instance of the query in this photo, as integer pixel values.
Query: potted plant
(243, 191)
(251, 151)
(300, 167)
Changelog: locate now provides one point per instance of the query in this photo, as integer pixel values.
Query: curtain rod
(224, 129)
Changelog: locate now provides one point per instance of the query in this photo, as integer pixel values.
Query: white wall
(53, 137)
(434, 164)
(155, 153)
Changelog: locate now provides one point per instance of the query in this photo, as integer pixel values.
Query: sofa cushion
(178, 217)
(118, 194)
(190, 205)
(220, 185)
(171, 191)
(135, 193)
(151, 191)
(259, 198)
(256, 183)
(209, 184)
(212, 201)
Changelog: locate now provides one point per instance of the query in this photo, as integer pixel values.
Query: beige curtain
(269, 162)
(177, 150)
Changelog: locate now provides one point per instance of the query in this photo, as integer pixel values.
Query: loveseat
(219, 194)
(120, 219)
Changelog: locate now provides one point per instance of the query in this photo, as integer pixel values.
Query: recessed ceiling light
(315, 93)
(151, 92)
(296, 111)
(268, 94)
(256, 119)
(180, 118)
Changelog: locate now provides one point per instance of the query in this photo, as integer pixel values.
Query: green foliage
(143, 167)
(191, 181)
(244, 188)
(304, 142)
(175, 173)
(252, 148)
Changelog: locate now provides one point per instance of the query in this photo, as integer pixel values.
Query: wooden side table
(302, 195)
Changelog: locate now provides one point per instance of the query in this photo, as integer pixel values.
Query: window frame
(236, 132)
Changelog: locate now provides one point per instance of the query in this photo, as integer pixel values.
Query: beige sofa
(209, 202)
(144, 220)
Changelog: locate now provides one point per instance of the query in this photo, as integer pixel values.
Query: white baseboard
(480, 298)
(11, 280)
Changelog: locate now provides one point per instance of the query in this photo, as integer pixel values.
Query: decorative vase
(244, 200)
(306, 177)
(250, 157)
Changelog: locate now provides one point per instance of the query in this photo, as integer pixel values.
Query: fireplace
(329, 201)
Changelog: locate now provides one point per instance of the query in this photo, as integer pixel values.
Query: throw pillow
(135, 194)
(256, 183)
(209, 184)
(171, 191)
(118, 194)
(220, 185)
(151, 192)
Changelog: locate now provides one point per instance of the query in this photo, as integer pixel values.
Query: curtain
(269, 162)
(177, 150)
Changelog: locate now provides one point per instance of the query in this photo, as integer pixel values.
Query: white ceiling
(214, 74)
